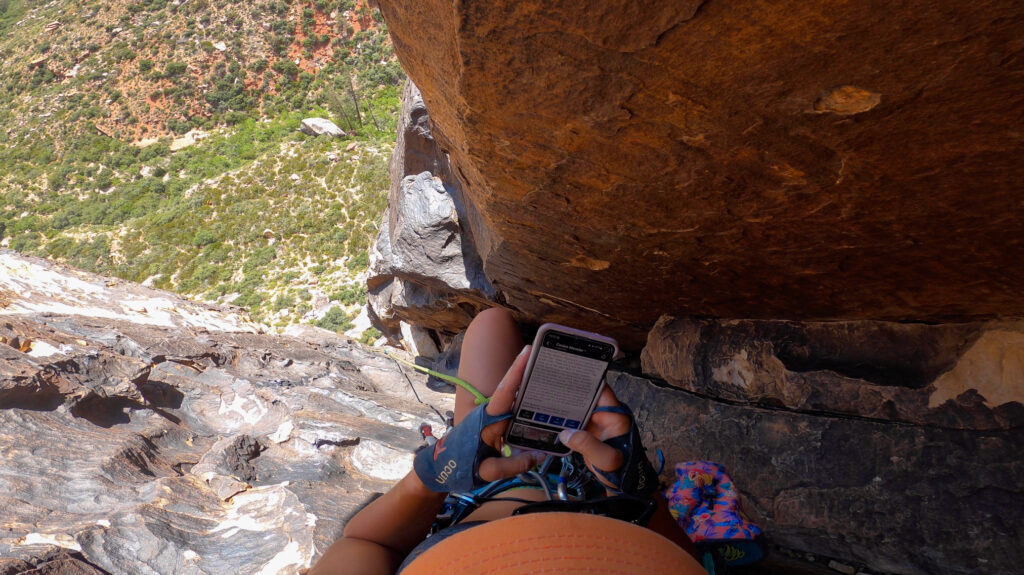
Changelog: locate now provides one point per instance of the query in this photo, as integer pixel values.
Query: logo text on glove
(446, 472)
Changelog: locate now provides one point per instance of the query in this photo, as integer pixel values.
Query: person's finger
(494, 434)
(494, 468)
(596, 453)
(505, 395)
(607, 398)
(606, 425)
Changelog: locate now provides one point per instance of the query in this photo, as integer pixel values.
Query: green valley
(158, 142)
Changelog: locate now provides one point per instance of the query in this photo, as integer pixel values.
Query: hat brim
(555, 543)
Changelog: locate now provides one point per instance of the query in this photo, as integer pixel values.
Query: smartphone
(561, 385)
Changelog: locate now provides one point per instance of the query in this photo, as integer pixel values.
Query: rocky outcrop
(891, 445)
(800, 161)
(957, 376)
(424, 269)
(895, 497)
(639, 169)
(143, 433)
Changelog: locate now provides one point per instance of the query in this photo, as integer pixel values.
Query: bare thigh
(492, 342)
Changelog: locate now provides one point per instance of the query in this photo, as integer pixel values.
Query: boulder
(873, 442)
(320, 127)
(418, 342)
(957, 376)
(424, 269)
(743, 160)
(189, 139)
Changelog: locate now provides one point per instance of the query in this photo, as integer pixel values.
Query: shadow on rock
(107, 412)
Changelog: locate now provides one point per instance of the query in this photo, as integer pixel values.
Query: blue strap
(615, 409)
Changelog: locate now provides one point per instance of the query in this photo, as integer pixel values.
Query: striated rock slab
(897, 497)
(424, 269)
(891, 445)
(620, 160)
(31, 286)
(962, 376)
(143, 433)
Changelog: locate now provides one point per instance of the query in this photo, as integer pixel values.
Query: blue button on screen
(557, 421)
(541, 417)
(572, 424)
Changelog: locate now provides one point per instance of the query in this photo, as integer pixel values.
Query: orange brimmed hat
(555, 543)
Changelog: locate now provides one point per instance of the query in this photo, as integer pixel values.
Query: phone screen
(560, 390)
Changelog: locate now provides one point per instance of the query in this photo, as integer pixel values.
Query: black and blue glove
(467, 456)
(636, 475)
(453, 464)
(612, 449)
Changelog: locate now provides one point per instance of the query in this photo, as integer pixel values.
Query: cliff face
(846, 175)
(144, 433)
(806, 160)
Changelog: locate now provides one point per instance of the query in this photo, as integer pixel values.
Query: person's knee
(493, 328)
(493, 319)
(495, 314)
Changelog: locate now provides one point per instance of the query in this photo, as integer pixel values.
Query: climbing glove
(636, 475)
(453, 463)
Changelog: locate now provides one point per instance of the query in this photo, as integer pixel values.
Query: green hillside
(157, 141)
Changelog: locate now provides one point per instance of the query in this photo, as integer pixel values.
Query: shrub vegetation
(78, 185)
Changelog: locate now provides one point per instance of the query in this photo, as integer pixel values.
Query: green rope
(478, 398)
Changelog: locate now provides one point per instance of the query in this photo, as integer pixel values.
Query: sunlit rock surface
(143, 433)
(837, 184)
(424, 268)
(803, 160)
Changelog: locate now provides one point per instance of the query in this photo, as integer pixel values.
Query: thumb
(594, 451)
(495, 468)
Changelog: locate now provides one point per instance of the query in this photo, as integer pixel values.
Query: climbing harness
(444, 465)
(703, 499)
(571, 488)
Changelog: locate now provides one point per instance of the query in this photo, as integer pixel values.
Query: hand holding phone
(561, 385)
(467, 456)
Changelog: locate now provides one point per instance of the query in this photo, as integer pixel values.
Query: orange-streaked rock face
(807, 160)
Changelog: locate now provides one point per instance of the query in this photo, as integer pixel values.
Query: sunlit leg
(492, 342)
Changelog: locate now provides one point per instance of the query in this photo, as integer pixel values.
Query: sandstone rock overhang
(801, 160)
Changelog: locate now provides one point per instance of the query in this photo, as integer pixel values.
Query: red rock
(806, 161)
(895, 497)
